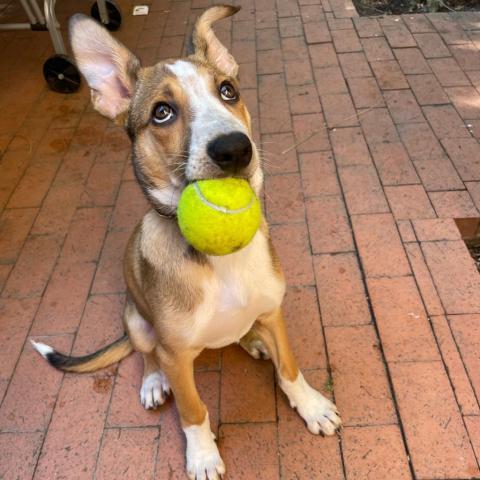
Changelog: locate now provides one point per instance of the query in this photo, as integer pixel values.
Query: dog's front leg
(319, 413)
(203, 458)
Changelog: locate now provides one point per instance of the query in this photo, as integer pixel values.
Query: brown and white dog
(187, 121)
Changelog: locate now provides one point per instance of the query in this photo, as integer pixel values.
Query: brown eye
(228, 92)
(163, 113)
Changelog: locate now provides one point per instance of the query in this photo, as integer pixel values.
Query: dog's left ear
(207, 46)
(108, 66)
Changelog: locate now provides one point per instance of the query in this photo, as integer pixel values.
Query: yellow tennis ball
(219, 216)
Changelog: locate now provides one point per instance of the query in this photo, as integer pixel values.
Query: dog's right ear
(207, 46)
(109, 67)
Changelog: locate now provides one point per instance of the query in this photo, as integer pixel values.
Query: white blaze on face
(210, 117)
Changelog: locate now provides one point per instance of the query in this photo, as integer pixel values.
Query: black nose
(231, 152)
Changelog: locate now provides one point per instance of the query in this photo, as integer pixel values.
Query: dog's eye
(163, 113)
(227, 92)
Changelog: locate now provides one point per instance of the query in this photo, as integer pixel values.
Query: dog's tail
(102, 358)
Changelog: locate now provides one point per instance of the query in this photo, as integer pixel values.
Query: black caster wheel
(114, 15)
(61, 74)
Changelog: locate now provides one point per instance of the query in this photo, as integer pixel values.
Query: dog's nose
(231, 152)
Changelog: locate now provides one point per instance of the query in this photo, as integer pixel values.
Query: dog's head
(185, 117)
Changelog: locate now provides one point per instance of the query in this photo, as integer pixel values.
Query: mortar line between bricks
(60, 164)
(126, 426)
(47, 427)
(463, 478)
(74, 335)
(162, 36)
(292, 131)
(106, 294)
(426, 121)
(41, 295)
(115, 375)
(440, 140)
(82, 313)
(415, 168)
(80, 207)
(371, 425)
(374, 212)
(336, 252)
(384, 361)
(7, 431)
(409, 184)
(451, 189)
(440, 350)
(396, 220)
(133, 427)
(442, 360)
(249, 422)
(370, 307)
(373, 163)
(347, 325)
(447, 241)
(100, 445)
(31, 154)
(317, 300)
(445, 315)
(292, 222)
(29, 235)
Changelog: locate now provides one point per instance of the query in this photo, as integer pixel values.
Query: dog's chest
(243, 287)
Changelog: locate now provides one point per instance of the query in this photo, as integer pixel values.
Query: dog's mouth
(242, 175)
(227, 161)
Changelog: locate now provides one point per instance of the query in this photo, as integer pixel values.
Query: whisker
(267, 196)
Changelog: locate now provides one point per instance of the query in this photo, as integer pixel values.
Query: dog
(187, 121)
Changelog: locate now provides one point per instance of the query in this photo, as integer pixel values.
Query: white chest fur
(243, 287)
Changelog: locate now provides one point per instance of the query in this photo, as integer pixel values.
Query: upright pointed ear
(109, 68)
(208, 46)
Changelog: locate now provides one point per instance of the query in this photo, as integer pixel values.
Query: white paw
(319, 413)
(257, 349)
(203, 458)
(155, 389)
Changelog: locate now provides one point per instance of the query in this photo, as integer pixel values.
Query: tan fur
(181, 301)
(113, 355)
(207, 45)
(178, 367)
(110, 357)
(270, 328)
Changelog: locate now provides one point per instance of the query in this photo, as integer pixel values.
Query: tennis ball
(218, 216)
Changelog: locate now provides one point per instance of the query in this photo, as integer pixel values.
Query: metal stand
(60, 71)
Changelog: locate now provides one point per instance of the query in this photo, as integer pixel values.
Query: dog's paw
(203, 458)
(155, 389)
(319, 413)
(205, 465)
(256, 348)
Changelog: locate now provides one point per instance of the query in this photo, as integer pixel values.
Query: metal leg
(28, 11)
(52, 26)
(102, 10)
(15, 26)
(38, 11)
(35, 16)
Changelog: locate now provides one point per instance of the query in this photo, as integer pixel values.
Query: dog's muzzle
(232, 152)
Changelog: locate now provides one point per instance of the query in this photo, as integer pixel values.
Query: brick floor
(371, 125)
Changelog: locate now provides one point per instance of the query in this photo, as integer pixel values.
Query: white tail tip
(41, 348)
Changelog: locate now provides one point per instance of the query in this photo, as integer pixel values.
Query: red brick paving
(371, 126)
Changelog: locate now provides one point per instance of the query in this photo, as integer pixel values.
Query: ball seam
(219, 208)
